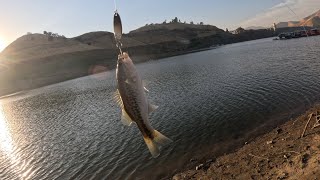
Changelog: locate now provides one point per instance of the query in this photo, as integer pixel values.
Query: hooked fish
(134, 104)
(117, 26)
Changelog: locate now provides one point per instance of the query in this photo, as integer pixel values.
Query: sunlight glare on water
(6, 142)
(7, 146)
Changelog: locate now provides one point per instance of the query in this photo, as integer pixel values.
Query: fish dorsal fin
(117, 98)
(152, 108)
(125, 118)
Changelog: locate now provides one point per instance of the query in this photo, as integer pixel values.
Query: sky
(75, 17)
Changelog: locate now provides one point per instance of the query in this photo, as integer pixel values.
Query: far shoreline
(111, 65)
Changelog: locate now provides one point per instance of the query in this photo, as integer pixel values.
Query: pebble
(200, 166)
(270, 142)
(279, 130)
(307, 148)
(305, 158)
(283, 175)
(209, 161)
(286, 157)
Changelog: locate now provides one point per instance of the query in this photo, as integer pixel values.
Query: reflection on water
(12, 159)
(6, 142)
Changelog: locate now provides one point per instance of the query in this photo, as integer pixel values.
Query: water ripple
(72, 130)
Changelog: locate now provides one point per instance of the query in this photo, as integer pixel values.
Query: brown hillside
(35, 46)
(312, 21)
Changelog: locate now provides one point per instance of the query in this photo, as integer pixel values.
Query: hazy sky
(75, 17)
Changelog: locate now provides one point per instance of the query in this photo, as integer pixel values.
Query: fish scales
(135, 105)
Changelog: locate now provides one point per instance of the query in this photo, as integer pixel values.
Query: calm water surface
(208, 102)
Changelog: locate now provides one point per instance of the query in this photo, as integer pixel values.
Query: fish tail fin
(153, 148)
(158, 140)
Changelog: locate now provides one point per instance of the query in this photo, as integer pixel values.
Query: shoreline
(280, 153)
(44, 81)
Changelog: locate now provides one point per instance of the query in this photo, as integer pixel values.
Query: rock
(193, 159)
(286, 156)
(270, 142)
(200, 166)
(307, 148)
(305, 158)
(290, 146)
(279, 130)
(284, 175)
(209, 161)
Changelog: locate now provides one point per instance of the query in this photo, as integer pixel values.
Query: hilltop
(312, 21)
(36, 46)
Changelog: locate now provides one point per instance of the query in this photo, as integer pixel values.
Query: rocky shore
(291, 151)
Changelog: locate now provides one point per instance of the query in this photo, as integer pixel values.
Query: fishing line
(304, 28)
(115, 5)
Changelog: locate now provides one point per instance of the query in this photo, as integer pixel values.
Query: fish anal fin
(152, 108)
(153, 148)
(125, 118)
(161, 139)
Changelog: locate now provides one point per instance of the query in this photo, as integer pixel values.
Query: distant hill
(255, 27)
(312, 21)
(35, 60)
(36, 46)
(175, 26)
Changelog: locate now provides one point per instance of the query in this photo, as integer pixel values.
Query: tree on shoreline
(239, 30)
(52, 35)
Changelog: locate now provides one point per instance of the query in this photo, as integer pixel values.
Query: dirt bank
(279, 154)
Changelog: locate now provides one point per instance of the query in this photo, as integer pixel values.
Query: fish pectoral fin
(152, 108)
(145, 89)
(118, 99)
(125, 118)
(144, 84)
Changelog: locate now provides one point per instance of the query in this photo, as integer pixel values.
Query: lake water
(209, 102)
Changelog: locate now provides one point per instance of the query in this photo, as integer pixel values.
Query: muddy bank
(279, 154)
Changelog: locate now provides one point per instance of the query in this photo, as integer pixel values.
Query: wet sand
(279, 154)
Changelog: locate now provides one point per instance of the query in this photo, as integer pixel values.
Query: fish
(131, 96)
(117, 26)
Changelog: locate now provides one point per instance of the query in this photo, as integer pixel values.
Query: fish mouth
(123, 56)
